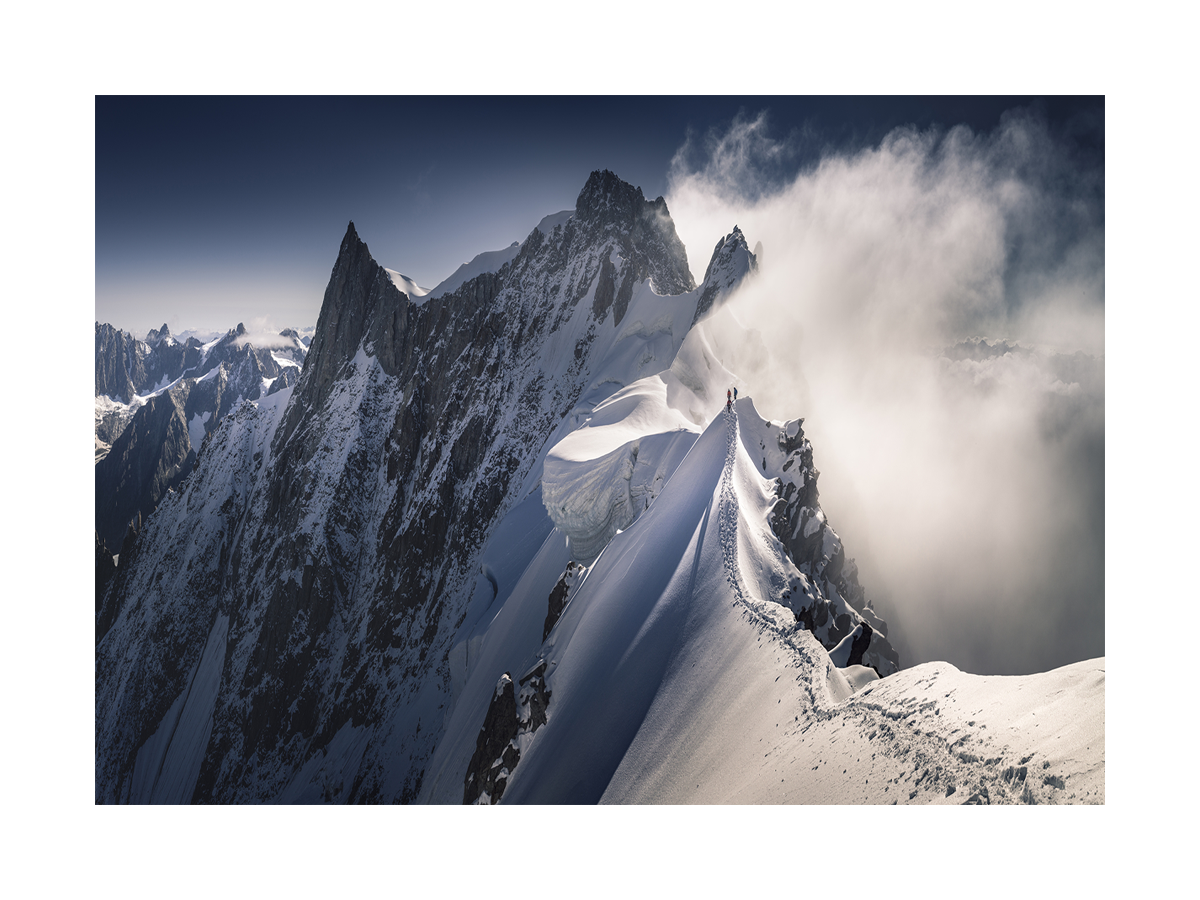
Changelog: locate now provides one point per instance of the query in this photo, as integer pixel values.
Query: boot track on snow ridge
(939, 766)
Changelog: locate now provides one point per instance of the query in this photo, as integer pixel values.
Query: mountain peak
(731, 262)
(606, 194)
(608, 207)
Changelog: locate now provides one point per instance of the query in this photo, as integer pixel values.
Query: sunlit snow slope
(674, 676)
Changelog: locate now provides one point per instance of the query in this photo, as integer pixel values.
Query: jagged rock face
(495, 752)
(105, 569)
(731, 262)
(126, 366)
(111, 420)
(108, 580)
(288, 377)
(336, 536)
(639, 242)
(151, 456)
(839, 603)
(157, 449)
(152, 453)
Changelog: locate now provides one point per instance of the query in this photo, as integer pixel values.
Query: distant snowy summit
(507, 541)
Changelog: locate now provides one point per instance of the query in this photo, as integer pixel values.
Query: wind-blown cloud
(967, 479)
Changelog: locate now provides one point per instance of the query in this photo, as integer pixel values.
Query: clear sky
(211, 211)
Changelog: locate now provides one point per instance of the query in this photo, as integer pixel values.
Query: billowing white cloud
(969, 489)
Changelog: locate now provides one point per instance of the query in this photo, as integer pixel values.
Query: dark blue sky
(211, 211)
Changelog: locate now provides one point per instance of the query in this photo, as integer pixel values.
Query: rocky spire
(358, 288)
(119, 364)
(731, 262)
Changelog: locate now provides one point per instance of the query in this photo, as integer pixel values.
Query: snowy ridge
(407, 285)
(769, 615)
(485, 263)
(675, 676)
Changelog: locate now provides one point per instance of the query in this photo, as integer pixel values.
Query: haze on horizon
(970, 491)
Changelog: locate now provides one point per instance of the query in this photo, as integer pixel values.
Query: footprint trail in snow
(941, 759)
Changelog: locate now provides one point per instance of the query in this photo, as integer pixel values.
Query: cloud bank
(934, 307)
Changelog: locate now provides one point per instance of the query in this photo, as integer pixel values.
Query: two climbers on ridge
(730, 396)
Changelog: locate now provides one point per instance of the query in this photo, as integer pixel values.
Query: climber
(728, 399)
(735, 395)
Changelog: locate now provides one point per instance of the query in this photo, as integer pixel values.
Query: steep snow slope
(677, 674)
(630, 444)
(751, 710)
(148, 680)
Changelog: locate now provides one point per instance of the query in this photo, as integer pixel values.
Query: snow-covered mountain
(508, 542)
(157, 399)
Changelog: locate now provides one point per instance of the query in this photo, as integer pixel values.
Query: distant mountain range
(156, 401)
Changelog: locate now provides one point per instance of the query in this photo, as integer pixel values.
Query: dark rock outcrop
(105, 569)
(841, 604)
(119, 364)
(560, 595)
(495, 754)
(509, 716)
